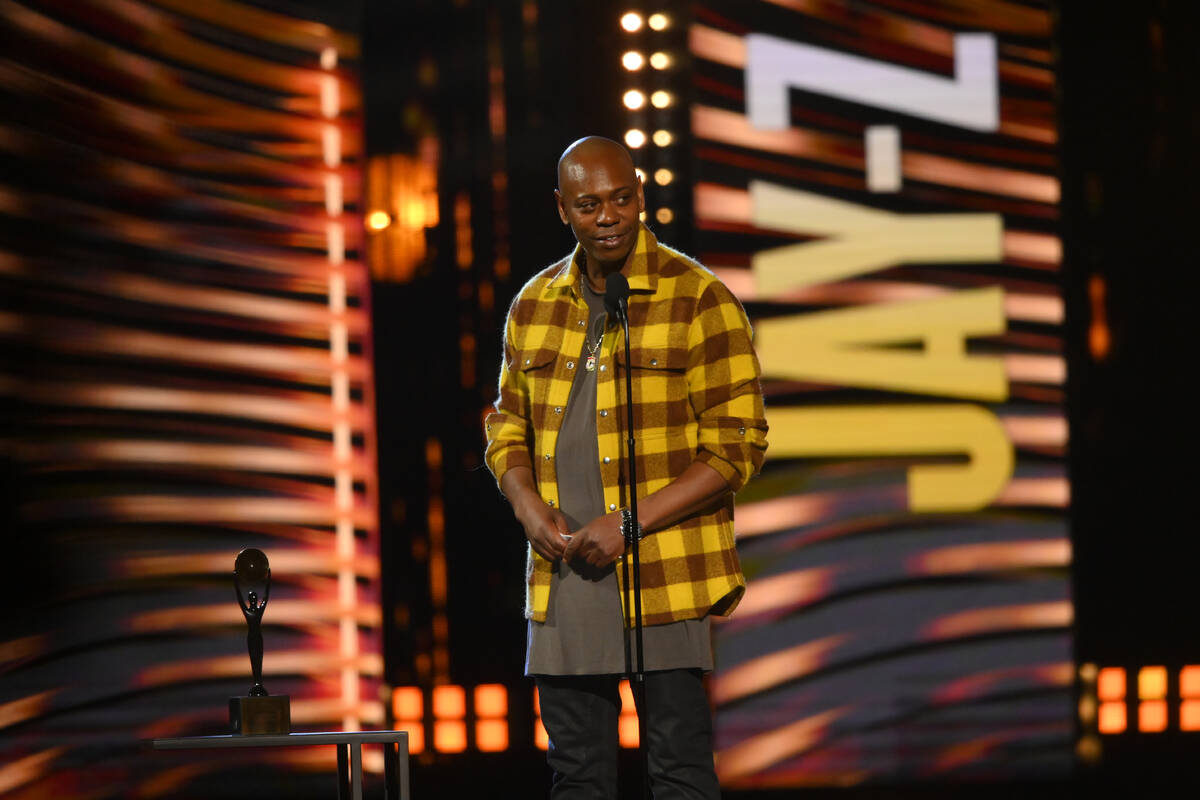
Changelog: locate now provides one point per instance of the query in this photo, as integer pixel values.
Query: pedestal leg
(402, 765)
(356, 771)
(343, 772)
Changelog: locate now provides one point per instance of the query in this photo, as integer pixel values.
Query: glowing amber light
(631, 21)
(416, 736)
(635, 138)
(664, 215)
(641, 173)
(1189, 715)
(632, 60)
(658, 22)
(1152, 716)
(1152, 683)
(1189, 681)
(663, 176)
(407, 703)
(662, 138)
(449, 701)
(449, 736)
(628, 731)
(660, 60)
(541, 739)
(491, 735)
(378, 220)
(1111, 718)
(1110, 684)
(660, 99)
(627, 723)
(633, 99)
(491, 700)
(1087, 709)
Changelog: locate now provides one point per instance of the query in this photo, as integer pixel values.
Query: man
(556, 446)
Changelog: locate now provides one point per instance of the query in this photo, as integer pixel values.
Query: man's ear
(641, 195)
(562, 210)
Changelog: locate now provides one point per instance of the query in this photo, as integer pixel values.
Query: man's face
(600, 197)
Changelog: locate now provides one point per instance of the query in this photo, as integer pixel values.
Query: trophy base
(257, 715)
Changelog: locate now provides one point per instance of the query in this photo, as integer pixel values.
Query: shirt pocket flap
(655, 355)
(534, 358)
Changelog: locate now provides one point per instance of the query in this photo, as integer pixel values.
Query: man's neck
(597, 274)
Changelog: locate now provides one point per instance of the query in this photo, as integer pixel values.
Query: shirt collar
(643, 269)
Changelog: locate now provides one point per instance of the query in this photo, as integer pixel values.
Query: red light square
(1152, 716)
(1110, 685)
(1111, 718)
(1189, 715)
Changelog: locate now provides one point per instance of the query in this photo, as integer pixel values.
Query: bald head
(600, 197)
(583, 154)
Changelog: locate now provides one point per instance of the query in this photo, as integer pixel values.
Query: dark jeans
(580, 714)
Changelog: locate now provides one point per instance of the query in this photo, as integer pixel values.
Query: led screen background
(878, 185)
(184, 318)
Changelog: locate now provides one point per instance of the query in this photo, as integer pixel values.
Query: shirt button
(581, 323)
(602, 367)
(654, 362)
(546, 457)
(570, 365)
(607, 459)
(558, 409)
(527, 362)
(741, 431)
(612, 506)
(550, 503)
(604, 412)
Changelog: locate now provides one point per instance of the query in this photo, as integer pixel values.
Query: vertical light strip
(339, 379)
(436, 521)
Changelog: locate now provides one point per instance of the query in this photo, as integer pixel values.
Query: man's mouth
(611, 240)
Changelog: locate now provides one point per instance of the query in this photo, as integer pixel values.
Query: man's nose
(608, 214)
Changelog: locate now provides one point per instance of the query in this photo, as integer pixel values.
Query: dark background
(1129, 112)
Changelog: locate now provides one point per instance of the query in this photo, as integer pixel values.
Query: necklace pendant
(590, 364)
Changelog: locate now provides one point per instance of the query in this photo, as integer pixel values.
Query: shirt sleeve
(507, 427)
(724, 387)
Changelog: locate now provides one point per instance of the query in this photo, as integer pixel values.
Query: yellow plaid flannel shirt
(696, 396)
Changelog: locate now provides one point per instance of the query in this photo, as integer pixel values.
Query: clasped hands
(599, 542)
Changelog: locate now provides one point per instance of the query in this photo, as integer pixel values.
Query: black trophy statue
(258, 712)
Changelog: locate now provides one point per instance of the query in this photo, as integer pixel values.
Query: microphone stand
(639, 675)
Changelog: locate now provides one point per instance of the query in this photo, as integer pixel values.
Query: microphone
(616, 294)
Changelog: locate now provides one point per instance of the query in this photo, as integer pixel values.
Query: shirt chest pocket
(660, 391)
(536, 366)
(654, 354)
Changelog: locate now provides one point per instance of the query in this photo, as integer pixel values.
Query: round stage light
(634, 99)
(378, 220)
(658, 22)
(632, 60)
(662, 138)
(664, 215)
(635, 138)
(660, 99)
(660, 60)
(641, 173)
(663, 176)
(631, 21)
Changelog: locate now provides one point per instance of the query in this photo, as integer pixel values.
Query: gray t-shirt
(584, 633)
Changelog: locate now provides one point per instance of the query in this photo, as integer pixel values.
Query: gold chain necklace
(590, 362)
